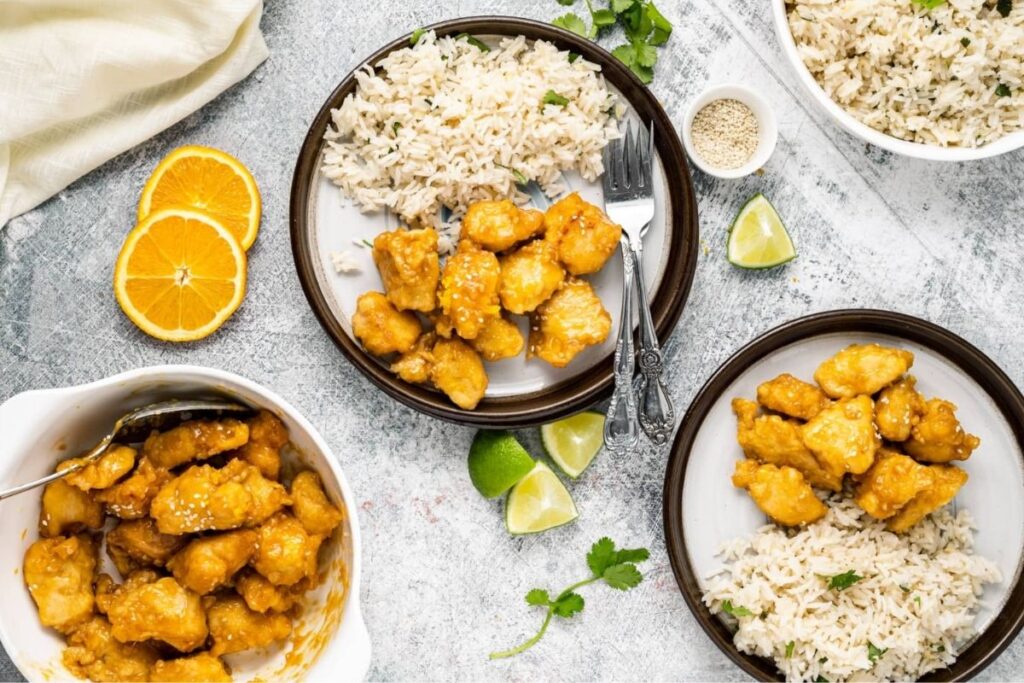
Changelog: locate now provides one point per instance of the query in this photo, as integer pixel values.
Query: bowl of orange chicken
(218, 548)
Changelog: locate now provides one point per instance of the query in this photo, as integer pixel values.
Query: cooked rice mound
(445, 123)
(917, 600)
(932, 77)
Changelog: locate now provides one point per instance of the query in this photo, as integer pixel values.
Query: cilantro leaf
(622, 576)
(875, 652)
(632, 555)
(843, 581)
(566, 3)
(1002, 90)
(625, 54)
(573, 56)
(662, 26)
(538, 597)
(603, 18)
(1004, 7)
(644, 73)
(646, 55)
(568, 604)
(820, 679)
(789, 649)
(966, 42)
(551, 97)
(475, 42)
(928, 4)
(737, 611)
(416, 35)
(620, 6)
(601, 556)
(571, 22)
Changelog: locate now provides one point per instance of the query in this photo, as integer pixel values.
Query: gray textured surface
(444, 582)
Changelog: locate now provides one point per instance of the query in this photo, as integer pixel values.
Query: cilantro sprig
(645, 29)
(617, 568)
(875, 652)
(841, 582)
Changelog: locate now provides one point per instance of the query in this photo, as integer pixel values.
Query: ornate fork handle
(621, 431)
(657, 417)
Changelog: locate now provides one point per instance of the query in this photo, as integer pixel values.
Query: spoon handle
(657, 416)
(621, 431)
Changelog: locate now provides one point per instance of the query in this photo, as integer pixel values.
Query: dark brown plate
(947, 366)
(578, 390)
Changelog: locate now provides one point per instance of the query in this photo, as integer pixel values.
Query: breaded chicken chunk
(498, 338)
(459, 372)
(570, 321)
(311, 506)
(59, 573)
(409, 267)
(414, 365)
(234, 627)
(938, 436)
(115, 462)
(94, 653)
(137, 543)
(262, 596)
(469, 289)
(205, 498)
(892, 482)
(381, 327)
(862, 369)
(199, 668)
(947, 481)
(773, 440)
(194, 440)
(162, 610)
(267, 436)
(791, 396)
(131, 497)
(209, 562)
(107, 590)
(782, 493)
(498, 225)
(582, 233)
(529, 276)
(898, 409)
(842, 436)
(66, 509)
(286, 553)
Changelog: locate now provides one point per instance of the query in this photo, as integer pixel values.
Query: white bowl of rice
(945, 84)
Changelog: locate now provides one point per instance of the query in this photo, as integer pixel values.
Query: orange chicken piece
(311, 506)
(947, 481)
(793, 397)
(892, 482)
(286, 553)
(529, 276)
(162, 610)
(209, 562)
(102, 473)
(498, 338)
(94, 653)
(567, 323)
(862, 369)
(782, 493)
(202, 668)
(382, 328)
(469, 289)
(582, 233)
(267, 436)
(842, 436)
(459, 372)
(194, 440)
(234, 627)
(131, 497)
(938, 436)
(409, 267)
(67, 509)
(59, 573)
(498, 225)
(137, 543)
(898, 409)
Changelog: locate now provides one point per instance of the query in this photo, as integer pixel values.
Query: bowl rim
(1006, 396)
(572, 394)
(352, 610)
(917, 150)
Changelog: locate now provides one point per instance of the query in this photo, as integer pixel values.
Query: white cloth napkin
(83, 80)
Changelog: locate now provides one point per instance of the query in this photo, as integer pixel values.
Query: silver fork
(629, 201)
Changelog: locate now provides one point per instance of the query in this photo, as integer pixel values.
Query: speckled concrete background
(443, 580)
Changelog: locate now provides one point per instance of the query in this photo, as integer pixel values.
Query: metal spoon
(136, 426)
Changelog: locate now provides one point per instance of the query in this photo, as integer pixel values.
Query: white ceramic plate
(704, 509)
(325, 222)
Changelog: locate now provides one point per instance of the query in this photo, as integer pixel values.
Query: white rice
(444, 123)
(904, 71)
(918, 597)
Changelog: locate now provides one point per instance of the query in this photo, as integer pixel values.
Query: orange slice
(180, 275)
(207, 180)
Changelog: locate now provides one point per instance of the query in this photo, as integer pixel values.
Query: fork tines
(627, 162)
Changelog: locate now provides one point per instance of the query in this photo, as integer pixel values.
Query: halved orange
(180, 275)
(207, 180)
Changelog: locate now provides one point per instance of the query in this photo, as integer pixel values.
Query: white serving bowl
(767, 128)
(329, 642)
(917, 150)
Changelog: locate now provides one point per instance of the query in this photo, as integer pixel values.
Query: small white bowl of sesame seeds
(729, 131)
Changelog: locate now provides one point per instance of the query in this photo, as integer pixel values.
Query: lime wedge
(573, 442)
(496, 462)
(757, 238)
(538, 503)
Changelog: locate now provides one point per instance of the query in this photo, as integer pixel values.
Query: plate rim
(965, 356)
(591, 385)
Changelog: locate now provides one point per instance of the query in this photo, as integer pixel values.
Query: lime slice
(538, 503)
(497, 462)
(757, 238)
(573, 442)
